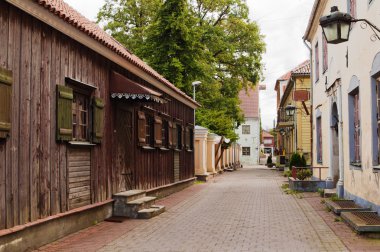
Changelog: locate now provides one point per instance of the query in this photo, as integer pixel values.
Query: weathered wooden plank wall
(33, 166)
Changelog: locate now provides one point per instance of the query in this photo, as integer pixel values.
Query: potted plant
(269, 161)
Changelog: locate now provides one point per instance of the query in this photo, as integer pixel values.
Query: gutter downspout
(311, 102)
(340, 184)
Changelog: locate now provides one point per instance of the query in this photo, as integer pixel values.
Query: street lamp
(290, 109)
(195, 84)
(336, 26)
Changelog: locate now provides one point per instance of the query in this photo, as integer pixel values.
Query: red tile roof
(250, 102)
(267, 134)
(301, 69)
(73, 17)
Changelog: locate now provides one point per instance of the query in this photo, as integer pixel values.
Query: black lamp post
(290, 109)
(336, 26)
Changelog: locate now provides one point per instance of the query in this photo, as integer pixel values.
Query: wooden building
(81, 117)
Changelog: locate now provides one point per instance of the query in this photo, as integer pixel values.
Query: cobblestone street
(241, 211)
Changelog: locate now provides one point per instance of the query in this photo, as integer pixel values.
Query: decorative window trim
(244, 130)
(354, 123)
(146, 97)
(245, 152)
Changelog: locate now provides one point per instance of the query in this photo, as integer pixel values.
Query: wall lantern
(290, 109)
(336, 26)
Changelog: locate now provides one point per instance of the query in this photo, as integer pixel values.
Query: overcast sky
(282, 22)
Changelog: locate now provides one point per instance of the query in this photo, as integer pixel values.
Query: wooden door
(124, 154)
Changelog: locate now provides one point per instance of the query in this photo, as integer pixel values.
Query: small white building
(249, 131)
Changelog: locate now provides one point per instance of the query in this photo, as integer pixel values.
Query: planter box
(306, 185)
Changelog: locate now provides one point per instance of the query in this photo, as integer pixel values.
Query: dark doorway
(124, 151)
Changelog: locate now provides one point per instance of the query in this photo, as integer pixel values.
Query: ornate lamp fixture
(336, 26)
(290, 109)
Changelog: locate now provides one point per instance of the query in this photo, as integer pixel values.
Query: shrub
(287, 174)
(303, 174)
(297, 160)
(321, 192)
(269, 159)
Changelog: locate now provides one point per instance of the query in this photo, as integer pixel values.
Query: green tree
(127, 20)
(173, 47)
(186, 40)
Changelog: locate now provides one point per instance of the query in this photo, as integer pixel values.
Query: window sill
(376, 168)
(355, 166)
(147, 148)
(79, 143)
(164, 149)
(189, 150)
(177, 150)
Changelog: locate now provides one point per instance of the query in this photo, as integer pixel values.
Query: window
(319, 140)
(316, 55)
(165, 134)
(246, 129)
(352, 8)
(268, 141)
(149, 131)
(355, 140)
(189, 138)
(179, 137)
(76, 119)
(246, 151)
(325, 54)
(80, 114)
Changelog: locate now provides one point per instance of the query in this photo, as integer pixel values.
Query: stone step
(151, 212)
(363, 222)
(329, 192)
(133, 207)
(339, 206)
(130, 195)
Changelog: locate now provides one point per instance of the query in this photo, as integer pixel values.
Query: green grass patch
(198, 182)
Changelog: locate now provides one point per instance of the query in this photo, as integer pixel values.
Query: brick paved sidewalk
(241, 211)
(352, 240)
(95, 237)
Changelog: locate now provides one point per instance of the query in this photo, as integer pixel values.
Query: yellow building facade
(293, 112)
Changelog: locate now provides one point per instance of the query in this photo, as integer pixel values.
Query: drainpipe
(340, 184)
(311, 101)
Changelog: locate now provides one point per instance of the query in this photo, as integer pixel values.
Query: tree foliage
(187, 40)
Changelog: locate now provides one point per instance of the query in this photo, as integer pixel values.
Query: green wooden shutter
(64, 113)
(141, 128)
(5, 102)
(97, 120)
(182, 137)
(170, 134)
(157, 131)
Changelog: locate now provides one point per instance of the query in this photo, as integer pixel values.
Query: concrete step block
(151, 212)
(133, 207)
(329, 192)
(130, 195)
